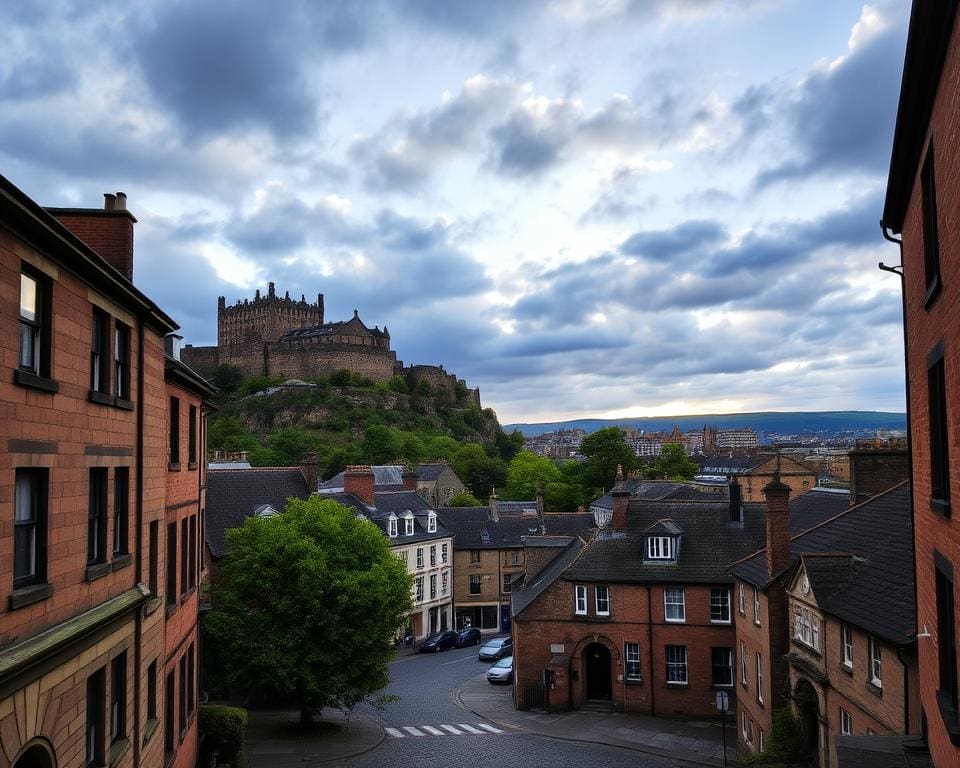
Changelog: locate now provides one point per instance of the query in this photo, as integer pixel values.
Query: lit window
(674, 608)
(602, 599)
(581, 600)
(34, 324)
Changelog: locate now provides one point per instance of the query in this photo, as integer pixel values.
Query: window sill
(933, 291)
(637, 683)
(118, 749)
(721, 622)
(847, 670)
(31, 380)
(97, 570)
(192, 465)
(150, 606)
(102, 398)
(940, 506)
(875, 689)
(150, 728)
(674, 684)
(173, 466)
(675, 621)
(949, 716)
(120, 561)
(29, 595)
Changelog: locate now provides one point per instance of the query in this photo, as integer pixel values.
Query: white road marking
(489, 728)
(456, 661)
(451, 729)
(395, 733)
(460, 729)
(469, 728)
(413, 731)
(434, 731)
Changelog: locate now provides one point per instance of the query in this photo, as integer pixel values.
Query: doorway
(596, 663)
(35, 757)
(808, 710)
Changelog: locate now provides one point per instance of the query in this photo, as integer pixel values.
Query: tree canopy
(306, 607)
(604, 450)
(674, 464)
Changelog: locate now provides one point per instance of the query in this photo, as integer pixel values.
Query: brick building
(754, 472)
(83, 489)
(436, 482)
(921, 206)
(638, 614)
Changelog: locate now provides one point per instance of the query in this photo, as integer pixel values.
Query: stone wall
(202, 359)
(308, 359)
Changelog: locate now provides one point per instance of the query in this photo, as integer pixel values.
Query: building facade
(920, 207)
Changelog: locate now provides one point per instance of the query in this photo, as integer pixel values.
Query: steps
(596, 706)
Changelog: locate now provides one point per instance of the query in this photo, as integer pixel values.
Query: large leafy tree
(673, 464)
(525, 470)
(604, 450)
(306, 607)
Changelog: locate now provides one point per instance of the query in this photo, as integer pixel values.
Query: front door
(505, 618)
(596, 663)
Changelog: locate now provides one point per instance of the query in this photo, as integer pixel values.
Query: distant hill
(763, 422)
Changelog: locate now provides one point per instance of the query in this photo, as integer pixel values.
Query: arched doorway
(808, 710)
(35, 756)
(596, 664)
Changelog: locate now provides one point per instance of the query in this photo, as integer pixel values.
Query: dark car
(439, 641)
(496, 648)
(468, 636)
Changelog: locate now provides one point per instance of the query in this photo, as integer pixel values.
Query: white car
(502, 671)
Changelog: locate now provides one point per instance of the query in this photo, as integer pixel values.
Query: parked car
(439, 641)
(469, 636)
(496, 648)
(502, 671)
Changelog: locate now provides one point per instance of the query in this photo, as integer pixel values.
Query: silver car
(502, 671)
(496, 648)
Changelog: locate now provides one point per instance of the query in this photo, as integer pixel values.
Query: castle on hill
(281, 337)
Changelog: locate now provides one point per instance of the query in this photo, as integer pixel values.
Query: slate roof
(874, 751)
(860, 565)
(732, 465)
(397, 503)
(473, 531)
(430, 472)
(659, 489)
(385, 477)
(327, 329)
(527, 593)
(233, 495)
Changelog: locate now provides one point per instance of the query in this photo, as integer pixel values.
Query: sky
(585, 208)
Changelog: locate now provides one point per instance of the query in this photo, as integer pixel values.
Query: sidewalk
(698, 742)
(272, 740)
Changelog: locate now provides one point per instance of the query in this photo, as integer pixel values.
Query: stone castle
(281, 337)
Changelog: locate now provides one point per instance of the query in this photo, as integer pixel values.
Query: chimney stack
(777, 495)
(620, 498)
(358, 480)
(308, 467)
(494, 511)
(409, 480)
(736, 501)
(108, 231)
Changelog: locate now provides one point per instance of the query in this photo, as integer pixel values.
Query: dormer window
(432, 523)
(660, 548)
(392, 527)
(408, 524)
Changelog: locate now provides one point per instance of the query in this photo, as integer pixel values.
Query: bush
(341, 378)
(221, 735)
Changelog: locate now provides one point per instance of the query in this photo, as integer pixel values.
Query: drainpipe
(653, 705)
(906, 691)
(138, 552)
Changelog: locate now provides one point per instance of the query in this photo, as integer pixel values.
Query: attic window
(431, 523)
(485, 536)
(408, 524)
(392, 527)
(660, 548)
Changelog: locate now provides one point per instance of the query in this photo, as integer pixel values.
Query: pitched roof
(862, 560)
(233, 495)
(528, 592)
(475, 531)
(396, 503)
(428, 472)
(660, 489)
(385, 477)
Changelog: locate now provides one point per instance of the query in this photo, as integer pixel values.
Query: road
(425, 685)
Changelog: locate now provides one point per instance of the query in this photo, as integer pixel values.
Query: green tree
(226, 378)
(442, 447)
(604, 450)
(306, 607)
(411, 447)
(673, 464)
(464, 500)
(227, 433)
(510, 445)
(341, 378)
(525, 471)
(290, 444)
(379, 445)
(398, 384)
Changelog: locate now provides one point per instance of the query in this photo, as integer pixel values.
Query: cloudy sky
(583, 207)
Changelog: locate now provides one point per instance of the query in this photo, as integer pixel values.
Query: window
(433, 555)
(171, 564)
(756, 606)
(392, 527)
(152, 691)
(659, 548)
(475, 584)
(431, 523)
(419, 583)
(846, 722)
(931, 236)
(876, 663)
(444, 553)
(121, 507)
(721, 662)
(740, 601)
(676, 657)
(673, 605)
(720, 606)
(474, 557)
(631, 652)
(118, 698)
(99, 344)
(759, 678)
(743, 664)
(580, 600)
(507, 579)
(602, 600)
(806, 627)
(444, 582)
(761, 741)
(183, 697)
(419, 557)
(939, 449)
(35, 292)
(96, 700)
(121, 361)
(403, 556)
(743, 725)
(154, 556)
(192, 436)
(174, 447)
(408, 526)
(169, 712)
(97, 517)
(433, 586)
(946, 632)
(29, 527)
(846, 641)
(191, 682)
(184, 560)
(514, 557)
(193, 551)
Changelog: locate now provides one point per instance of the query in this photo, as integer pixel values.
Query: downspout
(653, 704)
(906, 691)
(138, 552)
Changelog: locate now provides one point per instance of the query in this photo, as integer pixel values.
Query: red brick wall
(756, 638)
(110, 234)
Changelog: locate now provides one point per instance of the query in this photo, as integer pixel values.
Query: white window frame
(729, 665)
(580, 600)
(419, 557)
(682, 605)
(759, 678)
(408, 525)
(876, 663)
(806, 627)
(741, 603)
(392, 527)
(433, 555)
(743, 664)
(756, 606)
(631, 653)
(743, 726)
(444, 553)
(605, 602)
(433, 586)
(660, 548)
(720, 598)
(846, 643)
(444, 582)
(761, 741)
(678, 667)
(846, 723)
(419, 586)
(431, 523)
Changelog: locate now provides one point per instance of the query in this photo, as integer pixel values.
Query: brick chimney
(494, 511)
(736, 501)
(874, 471)
(620, 498)
(777, 495)
(108, 231)
(409, 480)
(308, 467)
(541, 520)
(358, 480)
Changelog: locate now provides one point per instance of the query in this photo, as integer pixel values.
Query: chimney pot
(121, 201)
(109, 201)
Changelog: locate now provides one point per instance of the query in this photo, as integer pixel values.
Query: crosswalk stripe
(489, 728)
(469, 728)
(451, 729)
(460, 729)
(413, 731)
(434, 731)
(395, 733)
